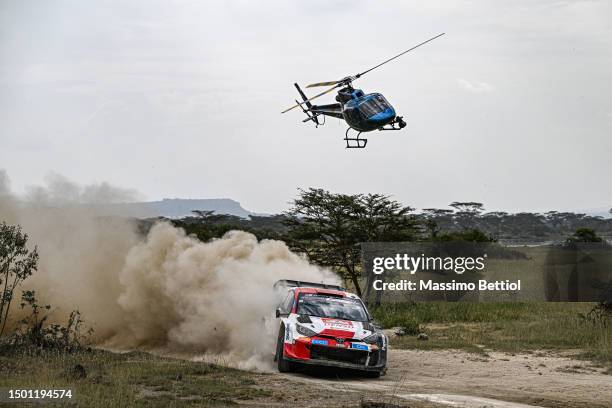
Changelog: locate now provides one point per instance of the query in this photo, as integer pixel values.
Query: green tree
(329, 227)
(207, 225)
(432, 218)
(468, 207)
(584, 235)
(467, 213)
(17, 263)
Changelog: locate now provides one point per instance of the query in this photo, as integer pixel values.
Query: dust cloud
(81, 252)
(213, 297)
(166, 290)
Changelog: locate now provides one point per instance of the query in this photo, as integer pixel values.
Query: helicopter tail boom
(333, 109)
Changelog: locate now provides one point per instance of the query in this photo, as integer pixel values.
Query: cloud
(475, 86)
(141, 93)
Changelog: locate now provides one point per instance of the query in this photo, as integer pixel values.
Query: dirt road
(459, 379)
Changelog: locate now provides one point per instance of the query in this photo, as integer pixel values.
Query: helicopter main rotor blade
(348, 80)
(398, 55)
(322, 84)
(308, 100)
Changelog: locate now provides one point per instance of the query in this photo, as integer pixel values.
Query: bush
(583, 235)
(17, 263)
(34, 333)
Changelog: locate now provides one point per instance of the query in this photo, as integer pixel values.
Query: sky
(511, 108)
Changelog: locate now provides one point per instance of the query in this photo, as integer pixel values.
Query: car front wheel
(284, 366)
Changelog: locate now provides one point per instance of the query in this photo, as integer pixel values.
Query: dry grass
(514, 327)
(132, 379)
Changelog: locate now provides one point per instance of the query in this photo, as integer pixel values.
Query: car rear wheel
(284, 366)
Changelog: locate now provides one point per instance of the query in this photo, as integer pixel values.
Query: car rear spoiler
(287, 283)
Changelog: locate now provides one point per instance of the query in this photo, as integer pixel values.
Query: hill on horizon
(174, 208)
(183, 207)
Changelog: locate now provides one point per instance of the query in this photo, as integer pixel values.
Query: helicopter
(362, 112)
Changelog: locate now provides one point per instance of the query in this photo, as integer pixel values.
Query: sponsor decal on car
(337, 324)
(320, 342)
(359, 346)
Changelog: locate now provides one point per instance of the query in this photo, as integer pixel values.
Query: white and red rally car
(325, 325)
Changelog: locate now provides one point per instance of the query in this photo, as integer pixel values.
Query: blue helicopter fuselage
(365, 113)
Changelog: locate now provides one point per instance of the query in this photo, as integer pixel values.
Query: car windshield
(331, 306)
(374, 105)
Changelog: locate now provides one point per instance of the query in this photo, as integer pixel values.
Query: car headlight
(305, 331)
(375, 338)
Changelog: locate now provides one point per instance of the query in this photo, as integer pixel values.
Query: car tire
(283, 365)
(372, 374)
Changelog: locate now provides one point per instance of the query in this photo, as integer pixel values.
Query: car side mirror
(278, 313)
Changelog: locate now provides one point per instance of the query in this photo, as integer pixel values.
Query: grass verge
(134, 379)
(513, 327)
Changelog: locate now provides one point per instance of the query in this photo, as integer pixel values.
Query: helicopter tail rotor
(306, 101)
(308, 106)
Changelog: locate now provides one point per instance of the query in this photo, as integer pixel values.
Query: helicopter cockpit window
(374, 105)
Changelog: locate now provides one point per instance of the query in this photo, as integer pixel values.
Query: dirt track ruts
(460, 379)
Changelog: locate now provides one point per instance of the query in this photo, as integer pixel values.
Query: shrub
(17, 263)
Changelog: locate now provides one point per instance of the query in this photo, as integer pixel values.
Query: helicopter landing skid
(354, 142)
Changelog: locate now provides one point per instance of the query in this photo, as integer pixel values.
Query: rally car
(325, 325)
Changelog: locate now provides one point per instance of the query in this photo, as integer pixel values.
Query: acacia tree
(329, 227)
(467, 212)
(17, 263)
(433, 217)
